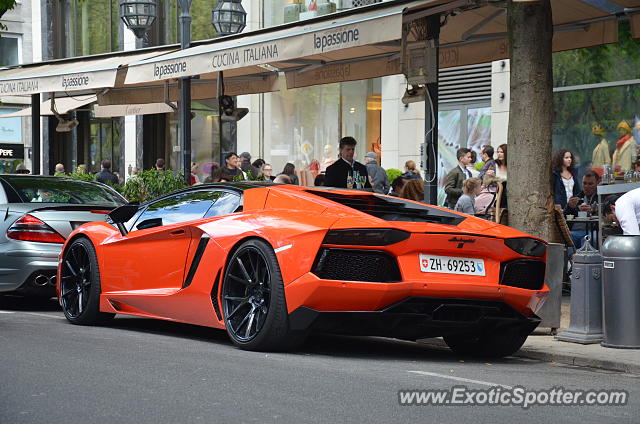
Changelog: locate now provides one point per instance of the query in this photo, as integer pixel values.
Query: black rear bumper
(417, 317)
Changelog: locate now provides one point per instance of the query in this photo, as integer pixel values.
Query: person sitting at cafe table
(583, 202)
(624, 210)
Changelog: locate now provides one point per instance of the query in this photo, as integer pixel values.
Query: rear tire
(80, 285)
(495, 343)
(254, 303)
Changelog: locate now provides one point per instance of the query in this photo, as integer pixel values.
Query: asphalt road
(145, 371)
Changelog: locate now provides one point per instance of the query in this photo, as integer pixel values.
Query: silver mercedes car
(37, 214)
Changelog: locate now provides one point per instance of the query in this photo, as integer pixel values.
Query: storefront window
(460, 126)
(278, 12)
(104, 143)
(583, 118)
(303, 126)
(607, 63)
(11, 139)
(205, 136)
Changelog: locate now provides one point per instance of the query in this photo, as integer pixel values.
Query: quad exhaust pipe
(42, 280)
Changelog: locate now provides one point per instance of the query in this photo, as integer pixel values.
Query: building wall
(500, 74)
(18, 22)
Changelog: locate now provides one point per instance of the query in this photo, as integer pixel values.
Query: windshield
(63, 190)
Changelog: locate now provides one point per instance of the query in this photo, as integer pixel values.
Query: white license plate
(451, 265)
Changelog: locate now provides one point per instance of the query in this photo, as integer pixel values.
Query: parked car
(39, 213)
(270, 263)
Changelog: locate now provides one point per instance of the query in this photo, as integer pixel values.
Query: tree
(4, 6)
(530, 30)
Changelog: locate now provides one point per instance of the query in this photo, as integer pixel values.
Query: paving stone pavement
(543, 346)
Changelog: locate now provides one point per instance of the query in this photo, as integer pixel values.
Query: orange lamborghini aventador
(271, 263)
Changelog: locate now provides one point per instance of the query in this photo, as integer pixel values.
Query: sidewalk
(540, 345)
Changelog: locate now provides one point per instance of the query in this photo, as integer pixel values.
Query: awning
(63, 105)
(366, 43)
(75, 74)
(331, 38)
(200, 89)
(139, 109)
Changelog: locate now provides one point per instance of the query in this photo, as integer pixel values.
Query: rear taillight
(30, 228)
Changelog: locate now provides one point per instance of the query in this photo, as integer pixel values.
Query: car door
(153, 254)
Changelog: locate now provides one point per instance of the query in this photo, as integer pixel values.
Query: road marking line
(465, 380)
(43, 315)
(32, 313)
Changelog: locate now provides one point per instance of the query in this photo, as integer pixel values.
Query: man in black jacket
(347, 172)
(105, 175)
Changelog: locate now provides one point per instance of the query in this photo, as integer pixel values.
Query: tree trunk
(530, 117)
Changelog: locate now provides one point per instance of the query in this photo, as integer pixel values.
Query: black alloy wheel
(80, 284)
(253, 299)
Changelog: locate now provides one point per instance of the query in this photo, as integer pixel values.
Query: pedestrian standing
(565, 182)
(59, 169)
(501, 162)
(346, 172)
(489, 166)
(267, 172)
(232, 166)
(160, 164)
(247, 167)
(455, 177)
(410, 171)
(105, 175)
(193, 178)
(377, 175)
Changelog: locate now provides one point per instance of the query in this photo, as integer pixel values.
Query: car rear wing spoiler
(120, 215)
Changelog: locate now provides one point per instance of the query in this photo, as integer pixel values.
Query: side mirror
(149, 223)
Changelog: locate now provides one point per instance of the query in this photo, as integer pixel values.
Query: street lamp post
(185, 92)
(228, 17)
(138, 16)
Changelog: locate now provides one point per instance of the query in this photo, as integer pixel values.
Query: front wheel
(80, 285)
(494, 343)
(253, 299)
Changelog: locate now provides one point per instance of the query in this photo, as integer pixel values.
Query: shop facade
(299, 125)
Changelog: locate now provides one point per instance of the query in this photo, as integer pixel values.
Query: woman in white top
(565, 183)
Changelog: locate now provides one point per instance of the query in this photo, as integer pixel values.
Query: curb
(530, 352)
(578, 361)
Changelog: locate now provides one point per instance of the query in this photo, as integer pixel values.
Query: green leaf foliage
(81, 176)
(7, 4)
(151, 184)
(392, 174)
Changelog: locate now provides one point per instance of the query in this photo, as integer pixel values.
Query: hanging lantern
(229, 17)
(138, 15)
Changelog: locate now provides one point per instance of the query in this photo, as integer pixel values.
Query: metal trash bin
(621, 292)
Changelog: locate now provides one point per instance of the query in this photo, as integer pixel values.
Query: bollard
(550, 311)
(585, 325)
